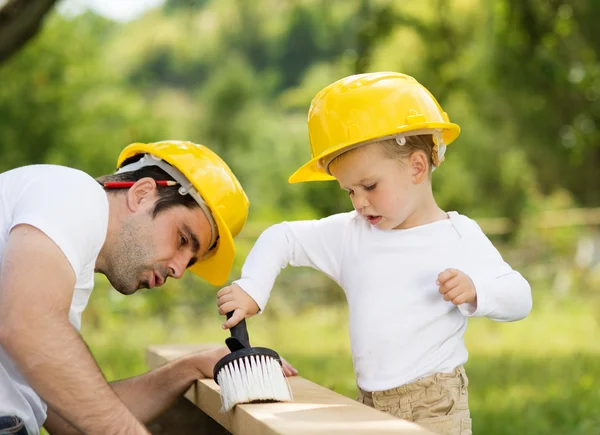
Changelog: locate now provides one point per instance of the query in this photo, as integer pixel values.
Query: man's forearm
(55, 361)
(149, 395)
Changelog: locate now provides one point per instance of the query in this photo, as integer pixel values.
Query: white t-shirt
(401, 328)
(71, 208)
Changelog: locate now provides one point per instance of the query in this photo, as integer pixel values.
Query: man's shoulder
(61, 179)
(54, 191)
(57, 173)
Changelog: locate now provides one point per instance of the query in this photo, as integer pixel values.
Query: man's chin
(126, 291)
(124, 288)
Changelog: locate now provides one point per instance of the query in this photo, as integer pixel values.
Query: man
(169, 207)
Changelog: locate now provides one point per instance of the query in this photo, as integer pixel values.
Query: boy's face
(382, 189)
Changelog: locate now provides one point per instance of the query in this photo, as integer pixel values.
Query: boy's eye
(182, 240)
(371, 187)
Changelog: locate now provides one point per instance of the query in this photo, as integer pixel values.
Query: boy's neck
(424, 213)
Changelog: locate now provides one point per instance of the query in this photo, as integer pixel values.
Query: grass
(537, 376)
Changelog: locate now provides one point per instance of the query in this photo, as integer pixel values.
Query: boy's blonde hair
(393, 149)
(422, 142)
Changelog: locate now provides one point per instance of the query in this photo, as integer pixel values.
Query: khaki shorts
(438, 402)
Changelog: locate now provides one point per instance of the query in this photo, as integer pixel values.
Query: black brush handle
(239, 335)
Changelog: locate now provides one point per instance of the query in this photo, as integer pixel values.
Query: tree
(20, 20)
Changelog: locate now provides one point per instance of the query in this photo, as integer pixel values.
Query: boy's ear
(143, 190)
(419, 166)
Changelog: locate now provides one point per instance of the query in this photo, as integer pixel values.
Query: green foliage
(522, 78)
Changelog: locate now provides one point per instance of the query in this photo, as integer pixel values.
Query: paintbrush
(249, 374)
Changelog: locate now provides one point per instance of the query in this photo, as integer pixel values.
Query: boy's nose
(360, 202)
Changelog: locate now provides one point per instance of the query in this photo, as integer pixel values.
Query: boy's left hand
(456, 286)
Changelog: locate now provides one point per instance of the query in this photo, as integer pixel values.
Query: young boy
(412, 273)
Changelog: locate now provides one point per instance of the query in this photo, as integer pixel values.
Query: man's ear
(419, 166)
(141, 192)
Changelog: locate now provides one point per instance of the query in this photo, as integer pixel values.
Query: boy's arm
(317, 244)
(483, 284)
(503, 296)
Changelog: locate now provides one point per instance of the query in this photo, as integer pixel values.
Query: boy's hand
(233, 298)
(456, 286)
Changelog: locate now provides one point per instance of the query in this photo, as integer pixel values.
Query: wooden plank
(185, 418)
(315, 410)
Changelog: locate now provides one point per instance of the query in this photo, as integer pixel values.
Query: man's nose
(178, 264)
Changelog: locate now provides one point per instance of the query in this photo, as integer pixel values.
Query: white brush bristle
(252, 379)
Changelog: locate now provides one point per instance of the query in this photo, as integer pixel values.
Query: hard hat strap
(439, 150)
(187, 188)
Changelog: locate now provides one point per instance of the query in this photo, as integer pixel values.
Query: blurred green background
(521, 77)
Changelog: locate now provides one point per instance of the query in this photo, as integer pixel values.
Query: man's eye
(371, 187)
(350, 192)
(182, 240)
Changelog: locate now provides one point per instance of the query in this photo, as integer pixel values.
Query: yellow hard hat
(364, 107)
(213, 186)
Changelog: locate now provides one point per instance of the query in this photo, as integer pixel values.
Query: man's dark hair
(168, 196)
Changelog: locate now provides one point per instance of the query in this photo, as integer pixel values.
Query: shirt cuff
(254, 292)
(482, 308)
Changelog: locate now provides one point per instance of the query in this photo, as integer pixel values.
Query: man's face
(148, 250)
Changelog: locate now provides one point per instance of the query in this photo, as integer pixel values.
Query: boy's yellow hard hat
(220, 190)
(364, 107)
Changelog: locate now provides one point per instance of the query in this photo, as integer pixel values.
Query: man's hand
(456, 286)
(204, 361)
(233, 298)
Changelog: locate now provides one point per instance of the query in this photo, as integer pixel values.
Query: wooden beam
(315, 410)
(185, 418)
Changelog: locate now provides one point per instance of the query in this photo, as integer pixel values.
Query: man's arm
(36, 288)
(149, 395)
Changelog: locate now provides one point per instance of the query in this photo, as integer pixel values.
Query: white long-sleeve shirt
(401, 328)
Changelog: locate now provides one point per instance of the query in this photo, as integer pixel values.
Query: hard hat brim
(311, 171)
(216, 268)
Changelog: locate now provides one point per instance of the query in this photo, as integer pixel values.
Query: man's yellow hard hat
(213, 185)
(364, 107)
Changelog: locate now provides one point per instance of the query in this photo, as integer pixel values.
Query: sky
(118, 10)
